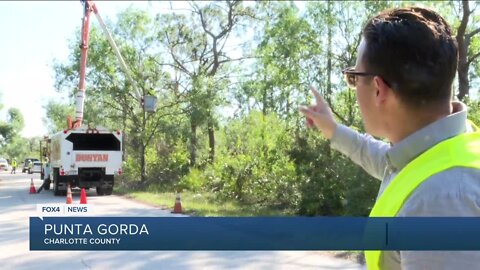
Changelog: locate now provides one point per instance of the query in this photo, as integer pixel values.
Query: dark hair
(414, 51)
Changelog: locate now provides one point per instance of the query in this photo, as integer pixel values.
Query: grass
(201, 204)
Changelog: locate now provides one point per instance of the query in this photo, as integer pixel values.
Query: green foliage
(12, 144)
(286, 45)
(193, 181)
(56, 115)
(131, 169)
(253, 166)
(15, 119)
(330, 183)
(167, 163)
(11, 128)
(19, 148)
(473, 111)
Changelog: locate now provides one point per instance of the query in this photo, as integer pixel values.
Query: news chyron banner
(253, 233)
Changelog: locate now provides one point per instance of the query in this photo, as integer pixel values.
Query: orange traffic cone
(83, 197)
(69, 195)
(32, 187)
(177, 209)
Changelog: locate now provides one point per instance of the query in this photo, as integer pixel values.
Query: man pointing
(403, 78)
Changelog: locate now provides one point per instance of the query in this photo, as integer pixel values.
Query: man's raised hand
(320, 115)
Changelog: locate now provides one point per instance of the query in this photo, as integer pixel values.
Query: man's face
(366, 93)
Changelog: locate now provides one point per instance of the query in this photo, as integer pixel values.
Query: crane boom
(89, 7)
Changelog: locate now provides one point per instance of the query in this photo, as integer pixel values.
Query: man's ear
(382, 91)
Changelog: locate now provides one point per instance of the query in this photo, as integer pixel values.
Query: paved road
(17, 205)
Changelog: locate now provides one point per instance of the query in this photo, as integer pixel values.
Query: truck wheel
(109, 188)
(46, 184)
(56, 190)
(100, 191)
(108, 191)
(56, 184)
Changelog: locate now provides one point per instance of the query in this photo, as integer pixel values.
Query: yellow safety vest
(460, 151)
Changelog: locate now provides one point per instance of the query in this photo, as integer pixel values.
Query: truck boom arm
(89, 7)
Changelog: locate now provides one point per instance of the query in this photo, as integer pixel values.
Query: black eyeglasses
(351, 76)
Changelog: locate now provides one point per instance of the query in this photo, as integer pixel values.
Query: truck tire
(56, 184)
(46, 184)
(56, 190)
(109, 188)
(100, 191)
(108, 191)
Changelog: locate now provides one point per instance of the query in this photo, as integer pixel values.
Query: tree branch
(344, 121)
(474, 32)
(172, 53)
(463, 24)
(473, 58)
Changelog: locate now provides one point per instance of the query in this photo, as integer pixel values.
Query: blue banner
(253, 233)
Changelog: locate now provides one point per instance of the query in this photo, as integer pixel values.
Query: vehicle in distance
(25, 164)
(37, 167)
(3, 164)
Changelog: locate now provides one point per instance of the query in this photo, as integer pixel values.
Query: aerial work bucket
(150, 103)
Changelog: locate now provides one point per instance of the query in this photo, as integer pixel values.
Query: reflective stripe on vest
(460, 151)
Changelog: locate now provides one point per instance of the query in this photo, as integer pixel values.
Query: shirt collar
(400, 154)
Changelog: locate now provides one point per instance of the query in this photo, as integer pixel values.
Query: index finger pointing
(319, 99)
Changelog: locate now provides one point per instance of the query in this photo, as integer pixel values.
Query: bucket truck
(87, 156)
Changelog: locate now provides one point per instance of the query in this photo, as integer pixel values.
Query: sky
(33, 34)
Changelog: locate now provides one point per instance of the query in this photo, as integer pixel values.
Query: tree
(12, 127)
(466, 52)
(13, 145)
(196, 44)
(19, 148)
(56, 115)
(282, 53)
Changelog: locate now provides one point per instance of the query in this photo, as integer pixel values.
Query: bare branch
(344, 121)
(204, 24)
(475, 7)
(179, 64)
(237, 59)
(224, 41)
(172, 53)
(157, 124)
(463, 24)
(473, 58)
(474, 32)
(113, 105)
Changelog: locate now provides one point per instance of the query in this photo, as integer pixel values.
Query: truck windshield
(94, 142)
